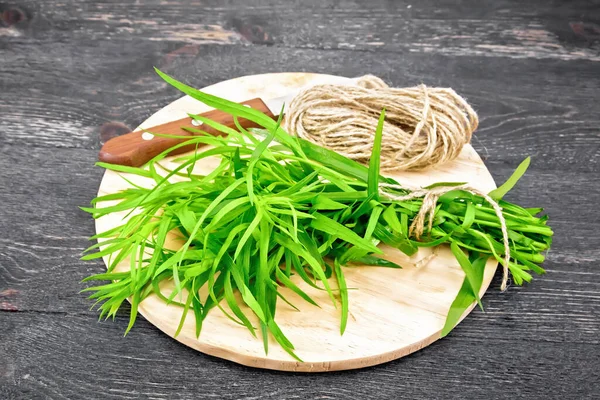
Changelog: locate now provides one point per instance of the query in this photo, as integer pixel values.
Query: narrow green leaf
(237, 165)
(499, 193)
(316, 266)
(474, 278)
(293, 287)
(469, 215)
(462, 301)
(374, 162)
(325, 203)
(123, 168)
(232, 303)
(373, 221)
(249, 231)
(465, 298)
(186, 308)
(343, 294)
(376, 261)
(327, 225)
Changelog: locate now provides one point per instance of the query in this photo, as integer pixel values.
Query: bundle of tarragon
(278, 206)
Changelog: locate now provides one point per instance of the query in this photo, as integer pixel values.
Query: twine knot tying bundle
(427, 212)
(424, 126)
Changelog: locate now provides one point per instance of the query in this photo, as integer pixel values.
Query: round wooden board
(392, 312)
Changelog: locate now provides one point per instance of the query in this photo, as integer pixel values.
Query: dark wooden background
(75, 73)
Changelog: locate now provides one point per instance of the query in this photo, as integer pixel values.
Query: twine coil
(424, 127)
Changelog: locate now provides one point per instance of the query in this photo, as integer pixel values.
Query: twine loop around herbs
(426, 213)
(423, 127)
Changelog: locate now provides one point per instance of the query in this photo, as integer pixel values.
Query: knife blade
(136, 148)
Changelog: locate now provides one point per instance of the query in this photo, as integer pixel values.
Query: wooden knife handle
(136, 148)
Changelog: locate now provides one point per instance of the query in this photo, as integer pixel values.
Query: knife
(136, 148)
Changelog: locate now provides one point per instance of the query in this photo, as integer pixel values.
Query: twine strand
(426, 213)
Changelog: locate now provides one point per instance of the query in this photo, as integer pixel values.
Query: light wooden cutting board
(392, 312)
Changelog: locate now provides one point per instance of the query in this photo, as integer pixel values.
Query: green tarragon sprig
(279, 206)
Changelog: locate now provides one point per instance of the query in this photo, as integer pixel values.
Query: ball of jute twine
(423, 127)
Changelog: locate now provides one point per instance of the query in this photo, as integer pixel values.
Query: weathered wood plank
(537, 29)
(67, 95)
(550, 115)
(73, 356)
(68, 67)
